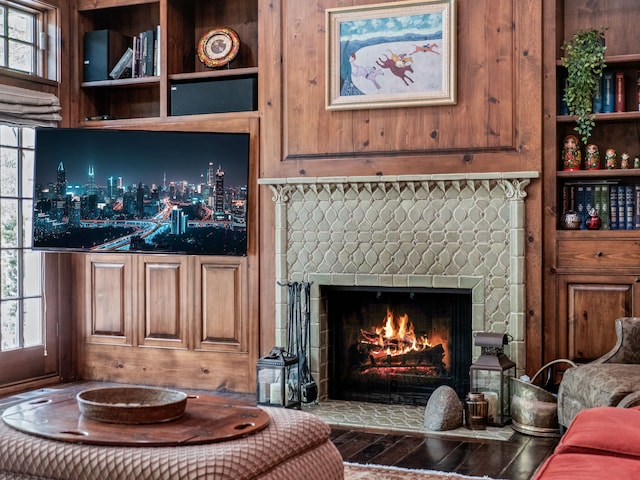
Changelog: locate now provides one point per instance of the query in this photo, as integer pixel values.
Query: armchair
(611, 380)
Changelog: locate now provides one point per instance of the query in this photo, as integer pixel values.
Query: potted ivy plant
(584, 61)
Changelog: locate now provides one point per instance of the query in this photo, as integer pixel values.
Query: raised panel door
(588, 308)
(108, 313)
(164, 318)
(221, 313)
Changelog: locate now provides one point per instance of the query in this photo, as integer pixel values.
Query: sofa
(612, 380)
(600, 443)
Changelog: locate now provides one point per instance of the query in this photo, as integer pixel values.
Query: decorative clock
(218, 47)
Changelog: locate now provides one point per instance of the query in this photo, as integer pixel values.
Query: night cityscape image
(141, 191)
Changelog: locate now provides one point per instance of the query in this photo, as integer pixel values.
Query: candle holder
(278, 379)
(491, 375)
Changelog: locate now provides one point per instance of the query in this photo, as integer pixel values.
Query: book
(147, 52)
(143, 54)
(122, 69)
(597, 198)
(580, 209)
(563, 108)
(613, 207)
(608, 92)
(604, 210)
(597, 98)
(568, 198)
(137, 57)
(630, 208)
(619, 93)
(638, 88)
(589, 201)
(622, 208)
(156, 57)
(636, 219)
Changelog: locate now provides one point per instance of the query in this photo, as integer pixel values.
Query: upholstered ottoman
(294, 443)
(597, 385)
(587, 467)
(602, 442)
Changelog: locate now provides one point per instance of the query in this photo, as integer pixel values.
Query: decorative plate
(218, 47)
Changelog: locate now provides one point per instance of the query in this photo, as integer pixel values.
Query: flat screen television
(104, 190)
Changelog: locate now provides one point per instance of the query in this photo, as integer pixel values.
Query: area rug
(353, 471)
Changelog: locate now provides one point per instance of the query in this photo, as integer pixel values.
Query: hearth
(453, 230)
(397, 345)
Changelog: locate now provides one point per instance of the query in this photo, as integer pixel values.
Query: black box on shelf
(102, 50)
(214, 96)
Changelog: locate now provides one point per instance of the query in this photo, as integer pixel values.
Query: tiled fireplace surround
(436, 231)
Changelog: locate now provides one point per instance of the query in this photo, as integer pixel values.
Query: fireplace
(397, 345)
(452, 231)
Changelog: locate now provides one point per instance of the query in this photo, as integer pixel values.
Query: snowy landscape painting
(391, 55)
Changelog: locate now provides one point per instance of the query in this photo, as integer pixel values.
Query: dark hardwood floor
(515, 459)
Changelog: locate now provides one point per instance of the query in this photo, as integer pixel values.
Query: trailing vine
(584, 61)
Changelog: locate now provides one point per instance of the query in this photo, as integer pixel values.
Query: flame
(396, 337)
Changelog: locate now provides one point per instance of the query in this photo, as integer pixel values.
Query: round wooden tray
(206, 419)
(132, 405)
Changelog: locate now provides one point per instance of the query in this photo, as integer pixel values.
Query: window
(23, 38)
(21, 302)
(29, 39)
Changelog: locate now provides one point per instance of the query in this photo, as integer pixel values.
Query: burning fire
(396, 337)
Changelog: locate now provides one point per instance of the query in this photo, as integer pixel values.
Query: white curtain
(20, 106)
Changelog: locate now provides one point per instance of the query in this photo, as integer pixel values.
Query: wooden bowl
(131, 405)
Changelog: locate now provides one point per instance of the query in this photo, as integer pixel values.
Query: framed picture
(398, 54)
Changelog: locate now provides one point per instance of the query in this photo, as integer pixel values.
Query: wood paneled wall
(496, 124)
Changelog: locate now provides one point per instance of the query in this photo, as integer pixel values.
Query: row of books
(618, 206)
(142, 58)
(610, 96)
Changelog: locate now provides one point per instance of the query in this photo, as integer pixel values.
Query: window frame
(25, 362)
(45, 42)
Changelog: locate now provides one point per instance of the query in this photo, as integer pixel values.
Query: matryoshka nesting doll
(610, 159)
(625, 160)
(592, 157)
(571, 156)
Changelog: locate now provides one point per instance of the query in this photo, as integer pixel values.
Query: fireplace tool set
(284, 375)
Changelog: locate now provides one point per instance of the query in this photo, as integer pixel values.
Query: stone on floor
(444, 410)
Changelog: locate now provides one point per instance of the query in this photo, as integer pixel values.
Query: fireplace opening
(397, 345)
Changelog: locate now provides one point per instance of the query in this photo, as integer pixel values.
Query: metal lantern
(278, 379)
(491, 375)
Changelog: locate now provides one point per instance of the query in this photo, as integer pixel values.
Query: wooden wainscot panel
(165, 307)
(591, 309)
(576, 253)
(221, 315)
(170, 367)
(109, 301)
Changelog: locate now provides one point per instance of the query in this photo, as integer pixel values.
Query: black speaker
(102, 50)
(214, 96)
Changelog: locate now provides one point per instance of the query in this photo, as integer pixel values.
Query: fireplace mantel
(451, 230)
(517, 177)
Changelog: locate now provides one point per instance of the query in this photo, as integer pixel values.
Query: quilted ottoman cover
(294, 444)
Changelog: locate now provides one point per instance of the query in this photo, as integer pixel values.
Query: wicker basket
(534, 411)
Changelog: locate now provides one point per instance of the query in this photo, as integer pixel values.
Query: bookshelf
(179, 25)
(592, 276)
